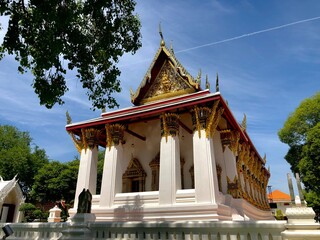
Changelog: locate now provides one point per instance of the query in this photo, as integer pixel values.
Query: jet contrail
(249, 34)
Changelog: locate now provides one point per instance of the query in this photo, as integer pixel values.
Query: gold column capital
(114, 134)
(231, 139)
(169, 124)
(89, 138)
(206, 118)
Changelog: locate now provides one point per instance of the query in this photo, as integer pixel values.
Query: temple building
(279, 201)
(177, 154)
(11, 197)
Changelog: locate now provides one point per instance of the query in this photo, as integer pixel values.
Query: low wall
(264, 230)
(190, 231)
(35, 230)
(220, 230)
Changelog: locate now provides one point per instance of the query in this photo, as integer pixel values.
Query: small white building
(11, 198)
(279, 201)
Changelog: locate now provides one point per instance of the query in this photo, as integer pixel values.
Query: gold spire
(131, 93)
(244, 122)
(69, 119)
(171, 48)
(207, 82)
(162, 43)
(198, 79)
(264, 158)
(217, 83)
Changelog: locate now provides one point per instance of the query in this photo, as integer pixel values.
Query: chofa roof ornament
(162, 43)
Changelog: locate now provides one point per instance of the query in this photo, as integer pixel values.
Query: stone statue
(85, 199)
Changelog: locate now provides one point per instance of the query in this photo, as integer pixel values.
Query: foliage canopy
(17, 157)
(57, 180)
(50, 37)
(301, 132)
(297, 127)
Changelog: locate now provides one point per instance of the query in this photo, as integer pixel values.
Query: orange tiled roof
(277, 195)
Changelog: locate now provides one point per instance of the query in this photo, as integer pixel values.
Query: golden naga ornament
(89, 138)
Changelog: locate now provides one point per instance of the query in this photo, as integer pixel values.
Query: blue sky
(264, 75)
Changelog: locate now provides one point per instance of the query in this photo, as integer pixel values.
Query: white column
(87, 175)
(205, 173)
(112, 175)
(170, 174)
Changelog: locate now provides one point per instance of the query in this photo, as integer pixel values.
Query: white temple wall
(220, 159)
(144, 151)
(11, 199)
(147, 150)
(15, 199)
(186, 149)
(230, 162)
(186, 152)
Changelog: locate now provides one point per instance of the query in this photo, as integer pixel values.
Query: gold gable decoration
(165, 78)
(168, 83)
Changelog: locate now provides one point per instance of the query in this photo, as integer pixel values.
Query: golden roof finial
(207, 82)
(264, 158)
(244, 122)
(103, 110)
(69, 119)
(132, 94)
(198, 79)
(217, 83)
(171, 48)
(162, 43)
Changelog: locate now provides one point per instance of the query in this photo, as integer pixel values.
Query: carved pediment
(167, 83)
(155, 163)
(134, 169)
(165, 78)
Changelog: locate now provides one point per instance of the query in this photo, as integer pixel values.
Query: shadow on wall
(130, 211)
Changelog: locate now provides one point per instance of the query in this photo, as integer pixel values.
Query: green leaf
(50, 37)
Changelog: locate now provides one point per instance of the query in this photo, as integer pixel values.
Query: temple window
(133, 180)
(155, 167)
